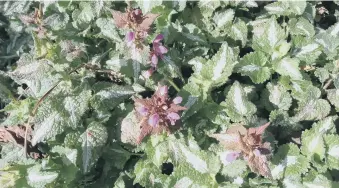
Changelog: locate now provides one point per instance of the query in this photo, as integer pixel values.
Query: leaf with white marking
(333, 97)
(239, 31)
(312, 145)
(223, 17)
(289, 162)
(59, 112)
(237, 104)
(308, 53)
(278, 96)
(37, 177)
(332, 150)
(273, 35)
(301, 26)
(256, 66)
(312, 110)
(108, 95)
(289, 67)
(93, 140)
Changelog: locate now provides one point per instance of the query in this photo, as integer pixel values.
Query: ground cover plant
(169, 94)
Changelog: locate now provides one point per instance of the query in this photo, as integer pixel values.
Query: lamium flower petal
(177, 100)
(148, 73)
(130, 36)
(232, 156)
(142, 110)
(162, 49)
(154, 60)
(163, 90)
(228, 157)
(173, 117)
(158, 38)
(153, 120)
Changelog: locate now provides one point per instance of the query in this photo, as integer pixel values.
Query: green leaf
(68, 155)
(333, 97)
(278, 96)
(207, 7)
(239, 31)
(312, 145)
(322, 74)
(108, 95)
(59, 112)
(308, 52)
(288, 162)
(34, 73)
(255, 65)
(312, 110)
(329, 43)
(214, 72)
(9, 8)
(315, 179)
(13, 154)
(93, 140)
(147, 6)
(5, 91)
(289, 67)
(37, 177)
(301, 26)
(237, 104)
(303, 90)
(332, 150)
(221, 18)
(270, 38)
(286, 8)
(108, 29)
(18, 112)
(188, 159)
(57, 21)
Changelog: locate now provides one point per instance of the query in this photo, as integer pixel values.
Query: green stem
(172, 83)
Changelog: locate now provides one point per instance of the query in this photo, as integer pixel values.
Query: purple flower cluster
(158, 113)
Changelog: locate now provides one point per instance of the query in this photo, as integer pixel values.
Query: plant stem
(172, 83)
(328, 83)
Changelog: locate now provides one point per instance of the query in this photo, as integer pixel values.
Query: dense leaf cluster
(83, 101)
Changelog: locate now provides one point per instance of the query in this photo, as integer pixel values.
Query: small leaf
(108, 29)
(237, 104)
(312, 110)
(289, 67)
(255, 65)
(93, 140)
(312, 145)
(39, 178)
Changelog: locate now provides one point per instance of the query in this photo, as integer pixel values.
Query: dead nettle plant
(138, 28)
(246, 143)
(159, 113)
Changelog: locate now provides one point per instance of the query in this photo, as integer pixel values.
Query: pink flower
(153, 120)
(137, 12)
(142, 110)
(163, 90)
(158, 48)
(177, 100)
(148, 73)
(232, 156)
(173, 117)
(129, 38)
(154, 60)
(228, 157)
